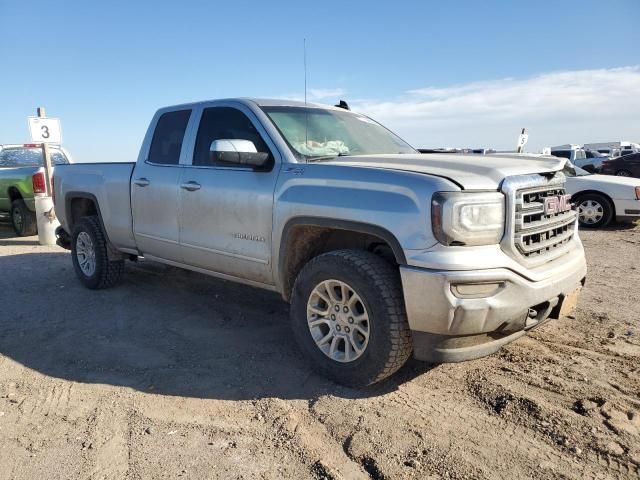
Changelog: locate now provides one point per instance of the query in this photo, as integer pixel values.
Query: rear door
(154, 188)
(226, 210)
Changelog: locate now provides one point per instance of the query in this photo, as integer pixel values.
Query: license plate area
(569, 303)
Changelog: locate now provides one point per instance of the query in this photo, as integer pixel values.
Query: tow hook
(63, 239)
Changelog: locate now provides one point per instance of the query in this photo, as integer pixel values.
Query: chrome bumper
(462, 315)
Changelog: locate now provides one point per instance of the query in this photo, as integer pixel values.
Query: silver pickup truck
(381, 251)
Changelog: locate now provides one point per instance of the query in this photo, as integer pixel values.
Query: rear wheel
(623, 173)
(90, 258)
(348, 316)
(594, 210)
(23, 220)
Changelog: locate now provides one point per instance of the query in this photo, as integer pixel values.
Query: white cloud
(561, 107)
(317, 95)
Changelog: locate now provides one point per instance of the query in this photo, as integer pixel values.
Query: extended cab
(381, 251)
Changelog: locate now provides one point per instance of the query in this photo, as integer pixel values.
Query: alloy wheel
(338, 321)
(86, 254)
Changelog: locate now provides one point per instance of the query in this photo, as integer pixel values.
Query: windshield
(570, 170)
(28, 157)
(314, 133)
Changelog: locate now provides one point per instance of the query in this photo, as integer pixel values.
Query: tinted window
(561, 153)
(167, 139)
(29, 157)
(224, 123)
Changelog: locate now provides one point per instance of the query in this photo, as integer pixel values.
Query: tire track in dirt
(108, 449)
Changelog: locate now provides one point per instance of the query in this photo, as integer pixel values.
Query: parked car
(571, 153)
(625, 166)
(593, 161)
(602, 198)
(21, 178)
(381, 251)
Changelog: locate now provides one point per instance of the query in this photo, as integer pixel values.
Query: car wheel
(594, 210)
(623, 173)
(348, 317)
(23, 220)
(90, 258)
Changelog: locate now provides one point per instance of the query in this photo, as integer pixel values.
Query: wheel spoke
(319, 311)
(334, 345)
(338, 320)
(317, 323)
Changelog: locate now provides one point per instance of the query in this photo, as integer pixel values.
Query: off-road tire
(107, 272)
(607, 207)
(378, 285)
(29, 225)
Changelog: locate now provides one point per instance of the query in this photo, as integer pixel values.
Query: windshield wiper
(328, 157)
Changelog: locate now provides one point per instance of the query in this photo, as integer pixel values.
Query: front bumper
(462, 315)
(627, 210)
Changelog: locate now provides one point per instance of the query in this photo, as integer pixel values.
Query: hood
(472, 172)
(612, 180)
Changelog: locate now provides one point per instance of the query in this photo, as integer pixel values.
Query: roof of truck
(262, 102)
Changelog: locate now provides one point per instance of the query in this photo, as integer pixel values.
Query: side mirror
(238, 152)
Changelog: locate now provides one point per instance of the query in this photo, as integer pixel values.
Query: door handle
(190, 186)
(141, 182)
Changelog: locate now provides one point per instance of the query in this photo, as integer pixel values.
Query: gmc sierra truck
(380, 250)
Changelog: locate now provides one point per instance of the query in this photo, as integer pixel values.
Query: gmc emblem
(557, 204)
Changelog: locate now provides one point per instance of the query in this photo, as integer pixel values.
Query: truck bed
(108, 184)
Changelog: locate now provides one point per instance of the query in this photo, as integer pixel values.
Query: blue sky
(436, 72)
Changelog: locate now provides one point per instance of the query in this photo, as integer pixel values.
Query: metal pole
(46, 158)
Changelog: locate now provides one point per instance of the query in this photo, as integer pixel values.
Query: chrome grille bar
(533, 237)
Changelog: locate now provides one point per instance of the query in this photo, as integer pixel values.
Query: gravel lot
(175, 374)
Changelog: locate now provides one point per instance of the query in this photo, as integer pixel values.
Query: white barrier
(47, 221)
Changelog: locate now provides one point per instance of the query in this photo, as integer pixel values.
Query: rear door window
(168, 136)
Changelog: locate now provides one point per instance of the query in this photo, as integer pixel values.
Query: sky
(440, 74)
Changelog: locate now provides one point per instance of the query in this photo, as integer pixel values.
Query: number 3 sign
(45, 130)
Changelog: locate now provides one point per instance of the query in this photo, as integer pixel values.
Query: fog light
(476, 290)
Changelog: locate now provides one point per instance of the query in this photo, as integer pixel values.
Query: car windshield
(28, 157)
(570, 170)
(316, 133)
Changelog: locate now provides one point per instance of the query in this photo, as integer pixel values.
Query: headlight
(468, 218)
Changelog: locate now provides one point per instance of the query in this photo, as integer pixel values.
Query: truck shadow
(7, 232)
(163, 331)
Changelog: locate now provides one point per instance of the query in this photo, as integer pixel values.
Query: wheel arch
(304, 238)
(13, 193)
(81, 204)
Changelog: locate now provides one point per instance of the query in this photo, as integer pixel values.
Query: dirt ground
(178, 375)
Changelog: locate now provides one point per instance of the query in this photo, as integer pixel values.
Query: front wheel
(594, 211)
(90, 258)
(348, 317)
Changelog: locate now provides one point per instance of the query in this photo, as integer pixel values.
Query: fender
(347, 225)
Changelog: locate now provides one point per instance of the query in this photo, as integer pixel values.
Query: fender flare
(347, 225)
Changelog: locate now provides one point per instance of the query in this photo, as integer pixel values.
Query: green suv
(21, 178)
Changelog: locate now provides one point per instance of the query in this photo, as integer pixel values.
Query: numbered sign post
(522, 141)
(45, 131)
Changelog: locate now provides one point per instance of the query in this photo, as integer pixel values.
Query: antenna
(306, 115)
(304, 56)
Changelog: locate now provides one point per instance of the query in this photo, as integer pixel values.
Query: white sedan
(601, 198)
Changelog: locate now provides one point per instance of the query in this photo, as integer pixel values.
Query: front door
(154, 189)
(226, 211)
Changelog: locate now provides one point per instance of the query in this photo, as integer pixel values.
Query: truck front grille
(534, 237)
